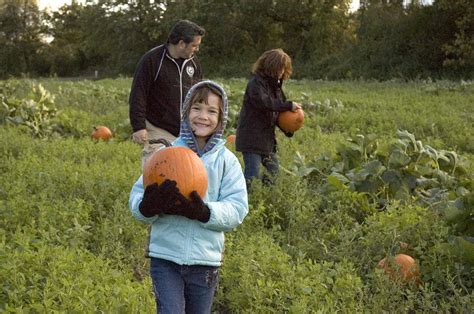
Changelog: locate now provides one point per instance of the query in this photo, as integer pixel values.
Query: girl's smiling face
(204, 118)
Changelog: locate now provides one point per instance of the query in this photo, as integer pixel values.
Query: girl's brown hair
(272, 62)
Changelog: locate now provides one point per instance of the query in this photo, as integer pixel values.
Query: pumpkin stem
(161, 141)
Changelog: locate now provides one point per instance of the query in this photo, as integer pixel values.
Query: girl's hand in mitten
(158, 198)
(193, 209)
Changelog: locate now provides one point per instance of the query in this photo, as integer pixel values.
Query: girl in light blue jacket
(187, 236)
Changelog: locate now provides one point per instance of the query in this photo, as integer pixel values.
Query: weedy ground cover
(378, 169)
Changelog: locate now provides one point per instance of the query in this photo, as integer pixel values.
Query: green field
(376, 164)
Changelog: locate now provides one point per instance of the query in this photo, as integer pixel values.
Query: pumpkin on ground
(231, 138)
(291, 121)
(101, 132)
(180, 164)
(401, 267)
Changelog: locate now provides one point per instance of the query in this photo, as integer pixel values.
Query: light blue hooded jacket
(191, 242)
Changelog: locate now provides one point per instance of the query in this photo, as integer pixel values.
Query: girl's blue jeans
(182, 288)
(252, 163)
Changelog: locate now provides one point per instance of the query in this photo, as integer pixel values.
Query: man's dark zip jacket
(159, 87)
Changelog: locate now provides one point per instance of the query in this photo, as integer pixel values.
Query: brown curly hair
(272, 62)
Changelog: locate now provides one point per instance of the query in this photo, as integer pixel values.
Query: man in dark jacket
(160, 84)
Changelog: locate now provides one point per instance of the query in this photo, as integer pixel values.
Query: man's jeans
(252, 167)
(182, 288)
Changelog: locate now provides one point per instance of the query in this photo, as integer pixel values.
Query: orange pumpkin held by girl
(180, 164)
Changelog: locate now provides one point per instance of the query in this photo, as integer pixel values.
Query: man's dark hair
(185, 30)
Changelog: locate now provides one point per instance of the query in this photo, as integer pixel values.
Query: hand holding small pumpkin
(295, 106)
(159, 198)
(193, 209)
(140, 136)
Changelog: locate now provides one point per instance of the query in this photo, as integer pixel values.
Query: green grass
(69, 242)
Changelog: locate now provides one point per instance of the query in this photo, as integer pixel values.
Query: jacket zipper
(180, 71)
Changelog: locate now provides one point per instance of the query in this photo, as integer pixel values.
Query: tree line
(383, 39)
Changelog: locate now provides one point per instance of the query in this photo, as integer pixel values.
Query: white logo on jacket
(190, 70)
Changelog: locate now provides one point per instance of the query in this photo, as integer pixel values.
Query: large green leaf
(398, 159)
(408, 138)
(391, 176)
(337, 180)
(373, 168)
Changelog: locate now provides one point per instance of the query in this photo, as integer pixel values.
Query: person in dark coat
(263, 100)
(161, 81)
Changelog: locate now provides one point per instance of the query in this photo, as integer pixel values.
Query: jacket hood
(186, 133)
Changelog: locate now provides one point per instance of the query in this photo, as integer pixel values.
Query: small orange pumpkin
(180, 164)
(101, 132)
(291, 121)
(401, 267)
(231, 138)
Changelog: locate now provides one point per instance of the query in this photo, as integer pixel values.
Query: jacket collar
(273, 82)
